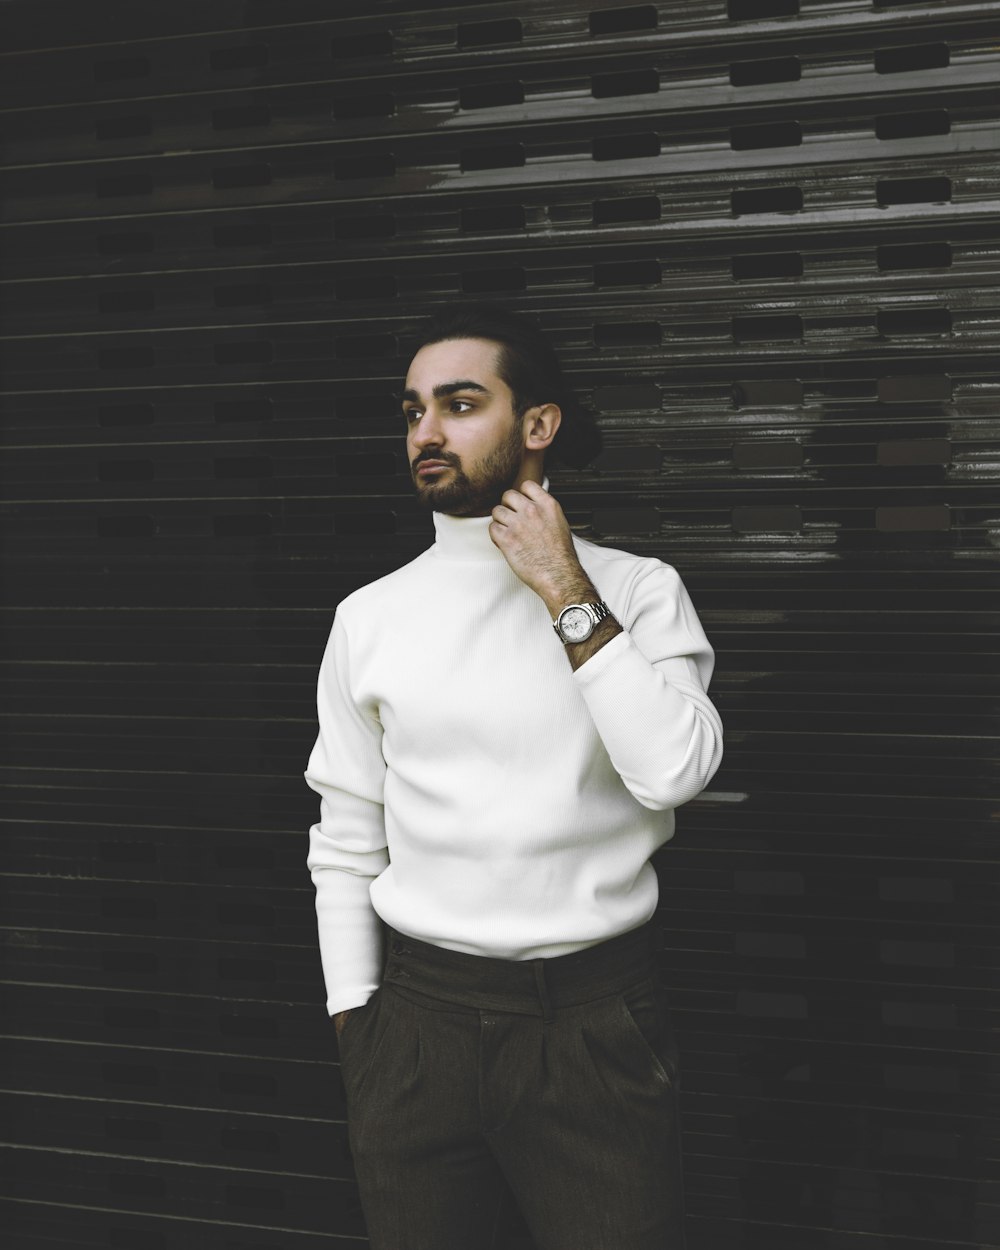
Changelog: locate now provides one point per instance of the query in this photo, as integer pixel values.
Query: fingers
(534, 491)
(529, 493)
(524, 502)
(511, 501)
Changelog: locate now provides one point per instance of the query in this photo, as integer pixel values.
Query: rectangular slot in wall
(767, 265)
(911, 58)
(913, 190)
(767, 392)
(630, 208)
(767, 519)
(773, 69)
(767, 200)
(489, 34)
(914, 451)
(930, 518)
(768, 453)
(623, 21)
(909, 388)
(902, 256)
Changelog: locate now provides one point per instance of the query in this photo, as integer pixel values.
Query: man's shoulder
(375, 596)
(623, 566)
(637, 588)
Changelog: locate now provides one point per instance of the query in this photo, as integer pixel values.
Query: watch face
(575, 625)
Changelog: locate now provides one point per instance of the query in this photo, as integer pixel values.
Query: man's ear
(542, 424)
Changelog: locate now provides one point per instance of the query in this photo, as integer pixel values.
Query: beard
(478, 491)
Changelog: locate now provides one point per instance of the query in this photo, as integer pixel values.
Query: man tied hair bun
(528, 365)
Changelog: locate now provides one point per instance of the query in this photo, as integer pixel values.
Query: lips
(426, 467)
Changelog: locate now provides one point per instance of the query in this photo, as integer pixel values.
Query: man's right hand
(339, 1018)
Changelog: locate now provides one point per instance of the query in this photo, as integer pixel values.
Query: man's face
(464, 444)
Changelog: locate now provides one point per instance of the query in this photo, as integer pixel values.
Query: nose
(426, 432)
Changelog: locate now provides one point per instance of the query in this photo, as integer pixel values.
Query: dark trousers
(556, 1075)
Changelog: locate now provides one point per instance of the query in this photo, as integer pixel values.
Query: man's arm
(580, 589)
(531, 530)
(347, 847)
(644, 685)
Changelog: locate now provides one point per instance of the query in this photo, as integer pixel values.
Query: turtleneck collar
(467, 537)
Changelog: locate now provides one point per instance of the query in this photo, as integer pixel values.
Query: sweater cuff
(599, 661)
(348, 1001)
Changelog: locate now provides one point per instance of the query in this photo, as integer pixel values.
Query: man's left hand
(531, 530)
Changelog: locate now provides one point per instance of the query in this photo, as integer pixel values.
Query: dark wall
(764, 240)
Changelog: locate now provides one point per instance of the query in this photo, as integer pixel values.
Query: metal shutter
(763, 238)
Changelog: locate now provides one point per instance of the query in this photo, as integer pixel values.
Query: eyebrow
(445, 388)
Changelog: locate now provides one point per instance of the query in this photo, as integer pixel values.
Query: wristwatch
(578, 621)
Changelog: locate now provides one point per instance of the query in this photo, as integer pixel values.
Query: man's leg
(591, 1146)
(426, 1176)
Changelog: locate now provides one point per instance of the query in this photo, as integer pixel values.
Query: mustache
(441, 457)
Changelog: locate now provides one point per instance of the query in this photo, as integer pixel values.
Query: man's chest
(490, 674)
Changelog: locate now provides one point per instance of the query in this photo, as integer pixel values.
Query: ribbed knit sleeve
(347, 847)
(646, 693)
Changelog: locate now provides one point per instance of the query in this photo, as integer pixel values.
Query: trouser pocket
(645, 1014)
(360, 1040)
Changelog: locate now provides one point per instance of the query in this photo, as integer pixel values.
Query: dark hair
(528, 364)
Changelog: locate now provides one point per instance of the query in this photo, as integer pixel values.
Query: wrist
(572, 589)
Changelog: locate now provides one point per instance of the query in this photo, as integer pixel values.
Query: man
(506, 724)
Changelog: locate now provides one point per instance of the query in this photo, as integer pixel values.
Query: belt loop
(543, 991)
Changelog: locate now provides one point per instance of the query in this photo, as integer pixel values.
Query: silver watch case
(577, 621)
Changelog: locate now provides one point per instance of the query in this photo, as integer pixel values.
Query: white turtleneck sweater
(475, 791)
